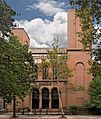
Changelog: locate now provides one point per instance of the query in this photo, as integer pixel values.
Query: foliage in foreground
(15, 69)
(95, 93)
(6, 18)
(57, 61)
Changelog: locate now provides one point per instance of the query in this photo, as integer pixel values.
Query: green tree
(16, 70)
(6, 18)
(95, 95)
(16, 64)
(56, 60)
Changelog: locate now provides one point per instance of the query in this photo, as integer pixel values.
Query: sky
(43, 20)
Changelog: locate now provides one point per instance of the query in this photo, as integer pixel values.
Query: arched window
(45, 98)
(35, 99)
(54, 98)
(45, 72)
(80, 82)
(35, 72)
(80, 74)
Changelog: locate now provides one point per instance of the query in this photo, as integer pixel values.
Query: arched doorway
(35, 99)
(45, 98)
(54, 98)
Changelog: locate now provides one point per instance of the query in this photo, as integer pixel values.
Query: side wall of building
(78, 62)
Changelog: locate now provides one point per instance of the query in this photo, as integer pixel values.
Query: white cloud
(48, 7)
(42, 32)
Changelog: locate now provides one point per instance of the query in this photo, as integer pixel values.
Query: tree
(56, 60)
(6, 18)
(16, 64)
(95, 95)
(16, 70)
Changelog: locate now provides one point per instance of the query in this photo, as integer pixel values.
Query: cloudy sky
(43, 20)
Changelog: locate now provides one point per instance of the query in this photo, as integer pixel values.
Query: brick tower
(78, 62)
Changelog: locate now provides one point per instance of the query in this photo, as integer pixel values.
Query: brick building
(46, 96)
(22, 35)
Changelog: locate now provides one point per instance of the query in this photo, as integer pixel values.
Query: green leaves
(57, 63)
(95, 93)
(89, 13)
(6, 19)
(15, 71)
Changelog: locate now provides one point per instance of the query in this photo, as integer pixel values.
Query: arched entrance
(54, 98)
(45, 98)
(35, 99)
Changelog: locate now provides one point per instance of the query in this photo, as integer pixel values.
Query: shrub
(73, 109)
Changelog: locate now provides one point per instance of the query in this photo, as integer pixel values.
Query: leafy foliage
(57, 62)
(89, 13)
(95, 93)
(6, 19)
(15, 69)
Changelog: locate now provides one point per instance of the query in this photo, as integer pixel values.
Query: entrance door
(55, 99)
(45, 98)
(35, 99)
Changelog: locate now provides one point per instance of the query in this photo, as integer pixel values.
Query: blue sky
(42, 19)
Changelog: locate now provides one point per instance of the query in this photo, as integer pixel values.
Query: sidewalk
(5, 116)
(57, 116)
(9, 116)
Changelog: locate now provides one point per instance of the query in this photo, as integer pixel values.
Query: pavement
(9, 116)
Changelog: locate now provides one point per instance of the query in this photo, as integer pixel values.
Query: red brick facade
(77, 61)
(22, 35)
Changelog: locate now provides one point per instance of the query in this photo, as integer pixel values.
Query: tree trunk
(60, 100)
(14, 106)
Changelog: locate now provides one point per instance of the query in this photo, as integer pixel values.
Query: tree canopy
(15, 69)
(89, 13)
(95, 93)
(6, 18)
(56, 60)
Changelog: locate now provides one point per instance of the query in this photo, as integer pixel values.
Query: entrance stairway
(46, 112)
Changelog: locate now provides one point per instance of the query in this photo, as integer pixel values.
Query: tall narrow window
(80, 74)
(45, 98)
(55, 73)
(35, 99)
(35, 72)
(55, 98)
(44, 72)
(80, 82)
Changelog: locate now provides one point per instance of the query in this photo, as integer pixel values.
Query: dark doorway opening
(55, 99)
(35, 99)
(45, 98)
